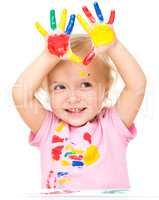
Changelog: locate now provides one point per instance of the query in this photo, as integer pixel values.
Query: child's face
(76, 99)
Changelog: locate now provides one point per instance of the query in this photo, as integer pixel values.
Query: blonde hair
(80, 45)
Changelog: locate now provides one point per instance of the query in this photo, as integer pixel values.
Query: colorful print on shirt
(69, 157)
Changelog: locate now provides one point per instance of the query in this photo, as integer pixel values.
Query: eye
(86, 85)
(59, 87)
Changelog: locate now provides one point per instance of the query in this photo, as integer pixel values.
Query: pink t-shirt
(89, 157)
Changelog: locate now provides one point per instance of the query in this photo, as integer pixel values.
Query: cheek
(95, 98)
(57, 101)
(92, 98)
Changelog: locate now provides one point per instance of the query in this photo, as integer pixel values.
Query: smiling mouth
(75, 110)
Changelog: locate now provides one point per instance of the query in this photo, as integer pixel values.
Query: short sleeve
(36, 139)
(128, 133)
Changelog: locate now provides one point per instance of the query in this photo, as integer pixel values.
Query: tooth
(75, 109)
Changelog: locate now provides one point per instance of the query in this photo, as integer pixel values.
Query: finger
(83, 23)
(73, 57)
(63, 19)
(70, 25)
(98, 12)
(41, 30)
(89, 57)
(111, 18)
(88, 14)
(52, 19)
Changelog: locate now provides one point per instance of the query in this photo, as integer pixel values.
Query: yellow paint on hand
(73, 57)
(41, 30)
(83, 23)
(102, 34)
(63, 20)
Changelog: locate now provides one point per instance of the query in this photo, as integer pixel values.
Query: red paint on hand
(87, 137)
(58, 44)
(89, 57)
(112, 17)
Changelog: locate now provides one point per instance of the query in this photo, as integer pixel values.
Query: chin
(77, 124)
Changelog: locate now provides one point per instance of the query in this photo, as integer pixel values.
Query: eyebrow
(54, 82)
(82, 79)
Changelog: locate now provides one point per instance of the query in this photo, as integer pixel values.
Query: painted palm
(58, 40)
(100, 33)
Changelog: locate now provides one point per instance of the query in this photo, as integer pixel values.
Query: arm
(24, 88)
(103, 35)
(132, 95)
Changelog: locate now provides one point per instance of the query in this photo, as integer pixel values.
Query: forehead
(67, 71)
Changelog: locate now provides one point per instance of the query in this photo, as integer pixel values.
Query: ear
(107, 87)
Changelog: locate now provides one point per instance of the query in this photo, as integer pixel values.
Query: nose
(73, 98)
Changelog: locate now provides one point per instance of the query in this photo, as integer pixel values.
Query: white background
(136, 26)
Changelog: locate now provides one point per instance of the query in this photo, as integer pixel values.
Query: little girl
(82, 144)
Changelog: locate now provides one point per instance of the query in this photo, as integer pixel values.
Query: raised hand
(101, 33)
(58, 41)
